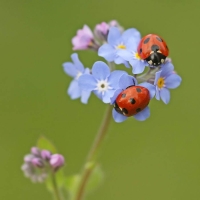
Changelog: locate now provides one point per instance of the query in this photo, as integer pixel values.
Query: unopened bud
(46, 155)
(35, 151)
(57, 161)
(37, 162)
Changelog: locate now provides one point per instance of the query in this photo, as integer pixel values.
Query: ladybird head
(156, 58)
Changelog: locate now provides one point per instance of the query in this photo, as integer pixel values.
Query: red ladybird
(153, 49)
(132, 100)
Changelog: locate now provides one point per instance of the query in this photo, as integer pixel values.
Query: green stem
(55, 187)
(89, 165)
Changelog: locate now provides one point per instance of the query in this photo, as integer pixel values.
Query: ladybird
(132, 100)
(153, 49)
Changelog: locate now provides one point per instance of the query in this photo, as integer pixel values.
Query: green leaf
(95, 179)
(44, 143)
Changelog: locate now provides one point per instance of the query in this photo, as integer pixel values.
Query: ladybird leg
(118, 117)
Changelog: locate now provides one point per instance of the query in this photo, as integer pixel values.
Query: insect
(132, 100)
(153, 49)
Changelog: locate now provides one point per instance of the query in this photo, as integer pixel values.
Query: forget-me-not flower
(125, 82)
(131, 55)
(118, 42)
(75, 70)
(102, 82)
(166, 79)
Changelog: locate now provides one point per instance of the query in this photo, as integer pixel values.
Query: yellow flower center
(137, 56)
(161, 82)
(121, 46)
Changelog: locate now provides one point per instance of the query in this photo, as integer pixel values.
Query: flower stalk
(55, 186)
(91, 158)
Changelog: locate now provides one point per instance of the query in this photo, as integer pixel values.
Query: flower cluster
(129, 94)
(38, 164)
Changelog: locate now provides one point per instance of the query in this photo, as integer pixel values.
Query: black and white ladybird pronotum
(132, 100)
(153, 49)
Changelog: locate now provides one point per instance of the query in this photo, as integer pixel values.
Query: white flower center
(102, 86)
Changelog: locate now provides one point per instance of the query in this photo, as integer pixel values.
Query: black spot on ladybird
(138, 109)
(154, 48)
(159, 39)
(132, 100)
(146, 40)
(138, 89)
(123, 95)
(140, 50)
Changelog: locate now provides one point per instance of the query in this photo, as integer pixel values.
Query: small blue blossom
(166, 79)
(102, 82)
(127, 81)
(76, 70)
(118, 42)
(131, 55)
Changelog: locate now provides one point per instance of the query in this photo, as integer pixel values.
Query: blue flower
(102, 82)
(166, 79)
(127, 81)
(118, 42)
(76, 70)
(131, 55)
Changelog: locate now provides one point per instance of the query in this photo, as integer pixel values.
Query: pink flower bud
(28, 158)
(37, 162)
(57, 161)
(46, 155)
(116, 24)
(35, 151)
(83, 39)
(101, 31)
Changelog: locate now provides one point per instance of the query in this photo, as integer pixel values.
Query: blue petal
(113, 98)
(157, 77)
(79, 66)
(157, 94)
(74, 90)
(131, 33)
(132, 44)
(113, 36)
(138, 66)
(98, 94)
(126, 81)
(126, 55)
(85, 96)
(87, 71)
(87, 82)
(118, 60)
(114, 78)
(173, 81)
(70, 69)
(126, 64)
(142, 115)
(165, 95)
(117, 116)
(108, 52)
(167, 69)
(100, 70)
(107, 95)
(150, 87)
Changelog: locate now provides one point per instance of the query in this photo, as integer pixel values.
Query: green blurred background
(158, 159)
